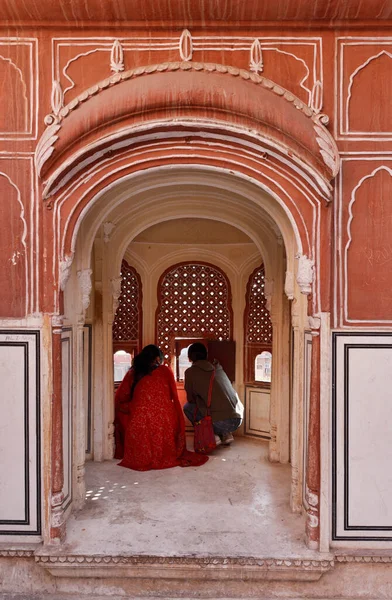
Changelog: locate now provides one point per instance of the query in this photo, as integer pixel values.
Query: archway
(265, 173)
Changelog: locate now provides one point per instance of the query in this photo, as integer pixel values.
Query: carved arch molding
(115, 114)
(188, 114)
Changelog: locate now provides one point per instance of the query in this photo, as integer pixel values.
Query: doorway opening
(140, 295)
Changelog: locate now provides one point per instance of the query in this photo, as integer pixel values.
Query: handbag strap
(210, 391)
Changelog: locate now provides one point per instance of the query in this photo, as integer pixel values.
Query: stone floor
(235, 505)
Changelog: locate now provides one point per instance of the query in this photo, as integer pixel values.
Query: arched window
(127, 324)
(258, 330)
(194, 301)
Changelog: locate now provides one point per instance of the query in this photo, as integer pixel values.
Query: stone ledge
(187, 567)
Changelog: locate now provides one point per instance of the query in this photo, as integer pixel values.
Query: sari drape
(153, 433)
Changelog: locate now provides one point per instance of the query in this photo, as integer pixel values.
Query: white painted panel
(12, 432)
(20, 435)
(370, 436)
(361, 442)
(257, 420)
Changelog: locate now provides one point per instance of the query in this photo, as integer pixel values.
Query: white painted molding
(186, 46)
(57, 98)
(117, 57)
(326, 143)
(85, 285)
(305, 273)
(316, 99)
(256, 57)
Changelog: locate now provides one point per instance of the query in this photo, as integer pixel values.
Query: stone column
(57, 529)
(297, 409)
(79, 433)
(313, 470)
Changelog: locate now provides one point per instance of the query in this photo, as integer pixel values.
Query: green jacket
(225, 403)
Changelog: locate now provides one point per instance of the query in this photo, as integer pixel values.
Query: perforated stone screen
(127, 320)
(194, 301)
(258, 326)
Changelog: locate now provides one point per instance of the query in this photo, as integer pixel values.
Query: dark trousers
(220, 427)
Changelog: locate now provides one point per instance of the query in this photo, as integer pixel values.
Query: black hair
(197, 351)
(144, 363)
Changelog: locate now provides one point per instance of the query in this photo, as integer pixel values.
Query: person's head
(150, 356)
(197, 351)
(145, 362)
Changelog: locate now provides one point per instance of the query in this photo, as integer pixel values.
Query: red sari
(155, 426)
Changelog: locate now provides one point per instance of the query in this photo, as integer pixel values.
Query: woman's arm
(123, 394)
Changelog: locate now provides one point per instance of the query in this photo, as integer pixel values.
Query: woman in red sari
(154, 423)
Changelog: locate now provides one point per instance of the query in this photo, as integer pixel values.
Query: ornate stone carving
(45, 146)
(117, 57)
(186, 45)
(314, 322)
(268, 292)
(57, 513)
(212, 561)
(65, 270)
(9, 553)
(326, 143)
(107, 230)
(194, 66)
(256, 57)
(316, 99)
(116, 291)
(85, 285)
(305, 273)
(289, 285)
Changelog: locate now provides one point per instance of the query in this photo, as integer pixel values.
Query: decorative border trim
(17, 553)
(184, 66)
(347, 527)
(267, 563)
(368, 559)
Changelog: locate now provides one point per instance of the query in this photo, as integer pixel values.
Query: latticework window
(257, 322)
(194, 301)
(128, 318)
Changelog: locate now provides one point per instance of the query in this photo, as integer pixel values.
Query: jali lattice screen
(128, 317)
(194, 301)
(257, 322)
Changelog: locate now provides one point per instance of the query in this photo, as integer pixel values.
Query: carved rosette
(305, 273)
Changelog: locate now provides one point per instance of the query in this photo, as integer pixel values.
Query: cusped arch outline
(349, 237)
(362, 66)
(116, 113)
